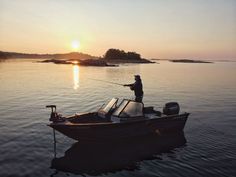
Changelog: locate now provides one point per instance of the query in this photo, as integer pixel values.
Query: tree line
(116, 54)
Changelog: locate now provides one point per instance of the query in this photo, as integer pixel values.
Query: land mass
(86, 62)
(181, 60)
(71, 55)
(189, 61)
(120, 56)
(111, 58)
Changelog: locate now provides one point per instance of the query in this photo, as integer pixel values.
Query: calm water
(207, 147)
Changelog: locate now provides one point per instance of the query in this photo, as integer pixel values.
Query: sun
(75, 45)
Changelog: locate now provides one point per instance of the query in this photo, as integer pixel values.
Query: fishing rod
(117, 83)
(107, 81)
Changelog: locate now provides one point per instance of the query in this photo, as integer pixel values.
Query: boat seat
(102, 114)
(151, 110)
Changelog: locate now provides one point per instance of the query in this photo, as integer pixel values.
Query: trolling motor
(55, 117)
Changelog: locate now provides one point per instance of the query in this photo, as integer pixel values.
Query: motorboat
(119, 120)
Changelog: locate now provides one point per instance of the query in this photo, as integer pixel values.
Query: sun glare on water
(75, 45)
(76, 76)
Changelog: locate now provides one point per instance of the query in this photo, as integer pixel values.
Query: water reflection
(99, 158)
(76, 76)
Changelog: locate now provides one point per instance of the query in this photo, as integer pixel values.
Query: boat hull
(109, 131)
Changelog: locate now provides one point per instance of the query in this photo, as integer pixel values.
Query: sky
(195, 29)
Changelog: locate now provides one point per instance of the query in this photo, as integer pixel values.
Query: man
(137, 87)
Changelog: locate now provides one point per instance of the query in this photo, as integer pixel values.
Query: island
(112, 57)
(189, 61)
(120, 56)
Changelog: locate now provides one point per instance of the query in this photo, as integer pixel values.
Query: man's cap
(137, 76)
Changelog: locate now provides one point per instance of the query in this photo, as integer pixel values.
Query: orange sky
(202, 29)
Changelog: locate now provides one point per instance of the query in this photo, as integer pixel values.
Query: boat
(113, 121)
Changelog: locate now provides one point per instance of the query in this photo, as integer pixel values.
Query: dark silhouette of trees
(116, 54)
(72, 55)
(3, 55)
(133, 56)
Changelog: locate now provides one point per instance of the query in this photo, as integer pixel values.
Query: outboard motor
(55, 117)
(171, 108)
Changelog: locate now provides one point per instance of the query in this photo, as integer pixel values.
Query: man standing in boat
(137, 87)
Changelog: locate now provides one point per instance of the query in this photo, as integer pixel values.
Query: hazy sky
(203, 29)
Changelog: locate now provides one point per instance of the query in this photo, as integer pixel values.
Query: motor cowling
(171, 108)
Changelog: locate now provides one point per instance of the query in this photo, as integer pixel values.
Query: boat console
(129, 110)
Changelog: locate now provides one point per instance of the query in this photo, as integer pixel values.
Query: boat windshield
(103, 112)
(120, 108)
(110, 105)
(129, 108)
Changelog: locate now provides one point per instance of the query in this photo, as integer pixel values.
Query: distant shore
(81, 58)
(183, 60)
(74, 55)
(89, 60)
(86, 62)
(189, 61)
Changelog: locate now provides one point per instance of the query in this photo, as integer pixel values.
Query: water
(207, 91)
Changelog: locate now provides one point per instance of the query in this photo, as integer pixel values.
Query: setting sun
(75, 45)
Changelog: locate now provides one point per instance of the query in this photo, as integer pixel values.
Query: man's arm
(128, 85)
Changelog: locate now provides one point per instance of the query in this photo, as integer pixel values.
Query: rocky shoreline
(189, 61)
(87, 62)
(141, 61)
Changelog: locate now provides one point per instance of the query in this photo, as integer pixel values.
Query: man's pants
(139, 99)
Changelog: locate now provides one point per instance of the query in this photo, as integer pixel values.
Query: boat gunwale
(94, 124)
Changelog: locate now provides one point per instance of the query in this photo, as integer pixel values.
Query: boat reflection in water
(99, 158)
